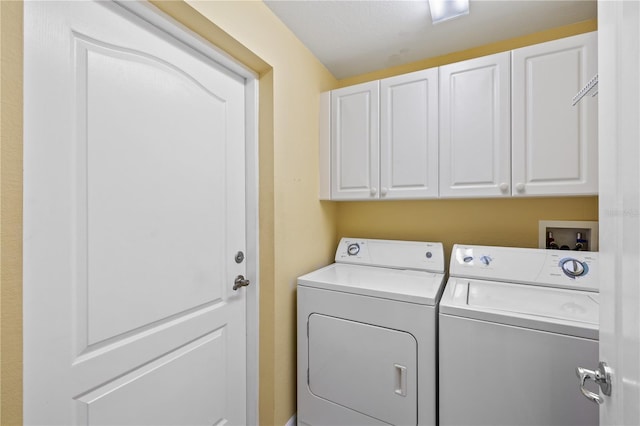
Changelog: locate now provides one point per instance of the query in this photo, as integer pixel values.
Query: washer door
(365, 368)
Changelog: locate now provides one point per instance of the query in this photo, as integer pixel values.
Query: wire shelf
(591, 86)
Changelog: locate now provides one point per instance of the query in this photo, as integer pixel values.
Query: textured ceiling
(356, 37)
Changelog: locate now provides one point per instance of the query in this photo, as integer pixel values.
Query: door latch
(602, 376)
(240, 281)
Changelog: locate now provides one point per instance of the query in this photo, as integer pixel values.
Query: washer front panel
(495, 374)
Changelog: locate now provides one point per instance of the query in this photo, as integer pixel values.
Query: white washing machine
(514, 325)
(367, 335)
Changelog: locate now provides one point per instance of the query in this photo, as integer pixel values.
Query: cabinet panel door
(475, 127)
(409, 135)
(554, 143)
(354, 142)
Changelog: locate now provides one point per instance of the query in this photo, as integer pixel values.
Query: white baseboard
(293, 421)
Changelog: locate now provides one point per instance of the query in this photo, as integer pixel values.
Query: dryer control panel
(423, 256)
(552, 268)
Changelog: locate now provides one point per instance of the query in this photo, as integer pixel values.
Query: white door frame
(170, 26)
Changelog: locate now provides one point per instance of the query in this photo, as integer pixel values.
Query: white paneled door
(134, 210)
(619, 155)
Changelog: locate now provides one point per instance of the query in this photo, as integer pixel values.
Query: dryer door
(365, 368)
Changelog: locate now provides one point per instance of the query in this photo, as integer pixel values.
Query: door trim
(169, 25)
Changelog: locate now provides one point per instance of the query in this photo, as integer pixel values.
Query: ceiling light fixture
(443, 10)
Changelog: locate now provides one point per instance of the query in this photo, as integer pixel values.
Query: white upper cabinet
(384, 139)
(497, 126)
(409, 135)
(475, 127)
(355, 145)
(555, 144)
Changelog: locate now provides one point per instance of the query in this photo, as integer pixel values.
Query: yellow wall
(502, 222)
(10, 213)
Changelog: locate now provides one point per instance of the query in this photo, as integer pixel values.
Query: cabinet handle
(374, 191)
(383, 191)
(504, 187)
(520, 187)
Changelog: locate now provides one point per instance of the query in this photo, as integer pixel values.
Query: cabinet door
(475, 127)
(354, 142)
(409, 135)
(555, 144)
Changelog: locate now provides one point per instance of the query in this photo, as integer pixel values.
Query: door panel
(141, 397)
(142, 217)
(409, 135)
(475, 122)
(554, 143)
(347, 366)
(354, 142)
(619, 199)
(134, 210)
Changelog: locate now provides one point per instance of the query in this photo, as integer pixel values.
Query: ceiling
(356, 37)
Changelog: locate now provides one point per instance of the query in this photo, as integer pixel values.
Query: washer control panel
(424, 256)
(553, 268)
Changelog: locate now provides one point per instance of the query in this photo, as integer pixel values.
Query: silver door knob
(240, 281)
(602, 376)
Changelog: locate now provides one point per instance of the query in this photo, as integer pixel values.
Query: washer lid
(403, 285)
(542, 308)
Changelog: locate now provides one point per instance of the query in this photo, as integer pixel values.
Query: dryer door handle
(401, 379)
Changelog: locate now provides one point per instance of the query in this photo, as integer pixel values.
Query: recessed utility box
(565, 234)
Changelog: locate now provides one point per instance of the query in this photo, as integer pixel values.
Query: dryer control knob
(353, 249)
(573, 268)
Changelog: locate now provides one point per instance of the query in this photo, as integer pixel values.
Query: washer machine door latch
(602, 376)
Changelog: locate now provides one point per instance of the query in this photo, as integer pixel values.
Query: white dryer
(367, 335)
(514, 325)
